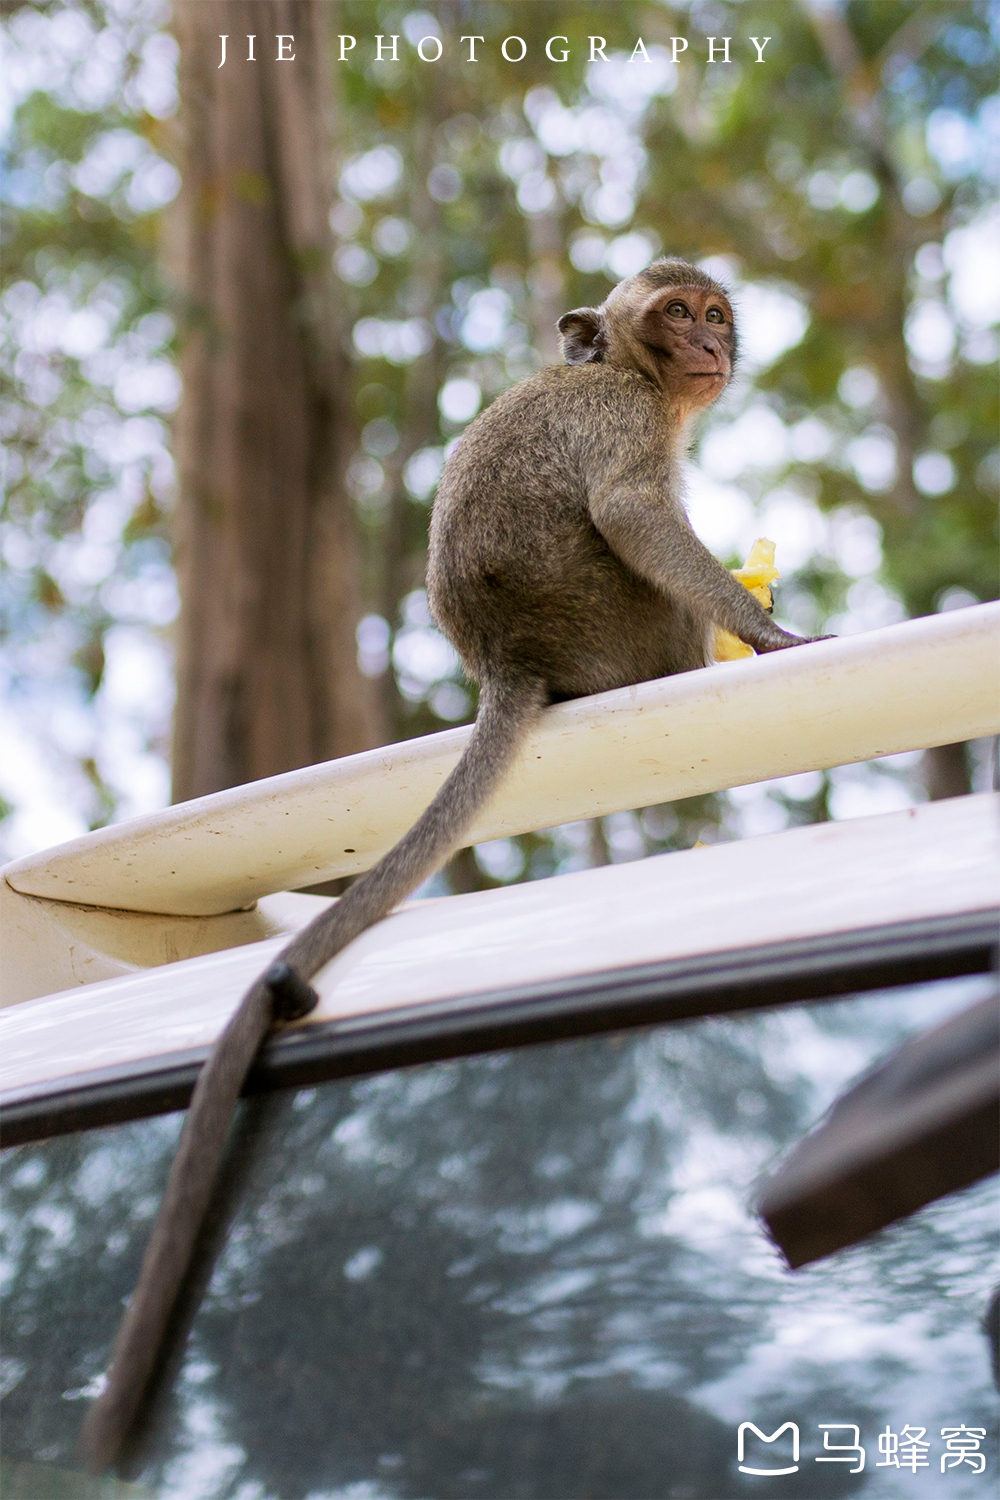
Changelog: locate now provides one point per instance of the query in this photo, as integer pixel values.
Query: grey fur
(561, 559)
(561, 564)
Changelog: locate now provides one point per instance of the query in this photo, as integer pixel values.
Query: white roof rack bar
(925, 682)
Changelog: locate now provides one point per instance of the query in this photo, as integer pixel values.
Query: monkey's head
(672, 322)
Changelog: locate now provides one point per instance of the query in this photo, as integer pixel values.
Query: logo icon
(746, 1427)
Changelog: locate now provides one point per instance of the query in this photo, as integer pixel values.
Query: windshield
(530, 1274)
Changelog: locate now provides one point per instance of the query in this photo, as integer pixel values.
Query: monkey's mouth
(676, 362)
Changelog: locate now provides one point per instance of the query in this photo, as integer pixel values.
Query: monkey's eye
(676, 310)
(715, 315)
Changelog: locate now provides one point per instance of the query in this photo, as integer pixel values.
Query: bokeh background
(248, 310)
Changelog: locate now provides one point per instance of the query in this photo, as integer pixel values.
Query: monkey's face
(689, 330)
(672, 322)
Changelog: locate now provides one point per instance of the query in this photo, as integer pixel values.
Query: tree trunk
(945, 768)
(267, 555)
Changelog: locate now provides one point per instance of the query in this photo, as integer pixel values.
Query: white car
(487, 1226)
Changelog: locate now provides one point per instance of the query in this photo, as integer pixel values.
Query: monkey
(561, 563)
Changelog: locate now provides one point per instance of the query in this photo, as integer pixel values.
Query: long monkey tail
(507, 709)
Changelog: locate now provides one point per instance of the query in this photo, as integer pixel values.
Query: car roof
(813, 910)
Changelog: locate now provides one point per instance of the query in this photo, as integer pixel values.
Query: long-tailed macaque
(561, 563)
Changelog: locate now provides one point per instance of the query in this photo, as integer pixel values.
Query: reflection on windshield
(534, 1274)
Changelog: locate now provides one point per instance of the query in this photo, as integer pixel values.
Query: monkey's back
(519, 577)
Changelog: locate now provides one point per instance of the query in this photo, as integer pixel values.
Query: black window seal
(749, 978)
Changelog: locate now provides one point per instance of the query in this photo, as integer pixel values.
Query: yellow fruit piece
(756, 574)
(759, 569)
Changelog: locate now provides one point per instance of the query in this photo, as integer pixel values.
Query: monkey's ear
(583, 338)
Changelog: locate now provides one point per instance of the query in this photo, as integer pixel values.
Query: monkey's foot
(292, 997)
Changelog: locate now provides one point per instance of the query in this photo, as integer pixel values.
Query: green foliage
(822, 175)
(842, 185)
(87, 378)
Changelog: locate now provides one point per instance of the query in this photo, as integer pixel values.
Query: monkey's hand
(756, 575)
(788, 640)
(781, 640)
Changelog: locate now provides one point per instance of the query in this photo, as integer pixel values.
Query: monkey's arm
(645, 530)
